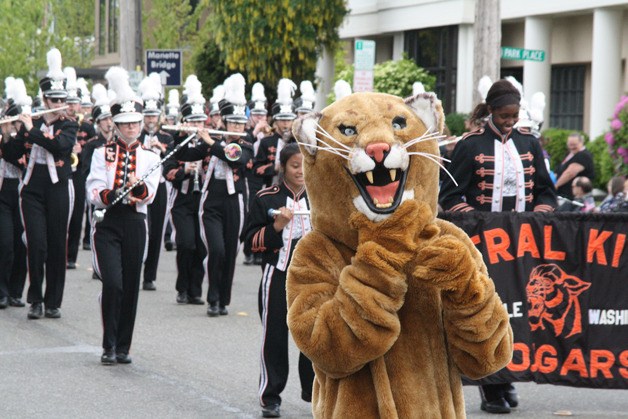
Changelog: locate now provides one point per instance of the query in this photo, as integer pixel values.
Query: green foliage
(602, 161)
(455, 123)
(275, 38)
(556, 145)
(209, 67)
(392, 77)
(29, 29)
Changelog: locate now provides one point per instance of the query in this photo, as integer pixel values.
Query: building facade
(585, 45)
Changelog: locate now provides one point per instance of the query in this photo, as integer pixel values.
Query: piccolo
(33, 115)
(576, 203)
(453, 140)
(99, 214)
(273, 212)
(195, 129)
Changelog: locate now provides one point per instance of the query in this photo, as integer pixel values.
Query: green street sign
(510, 53)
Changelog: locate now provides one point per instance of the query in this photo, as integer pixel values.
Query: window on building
(114, 13)
(567, 97)
(436, 50)
(102, 26)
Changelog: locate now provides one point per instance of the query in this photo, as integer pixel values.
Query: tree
(172, 25)
(275, 38)
(30, 28)
(487, 42)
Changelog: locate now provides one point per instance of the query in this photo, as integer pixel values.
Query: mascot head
(369, 152)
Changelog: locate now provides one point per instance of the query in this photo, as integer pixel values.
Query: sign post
(364, 61)
(167, 63)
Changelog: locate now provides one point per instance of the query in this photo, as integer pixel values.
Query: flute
(195, 129)
(33, 115)
(273, 212)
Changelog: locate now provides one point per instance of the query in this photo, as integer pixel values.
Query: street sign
(364, 61)
(135, 78)
(168, 63)
(510, 53)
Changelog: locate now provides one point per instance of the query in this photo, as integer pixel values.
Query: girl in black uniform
(498, 168)
(222, 201)
(187, 179)
(46, 191)
(275, 238)
(119, 240)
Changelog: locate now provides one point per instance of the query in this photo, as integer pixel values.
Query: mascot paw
(445, 261)
(398, 232)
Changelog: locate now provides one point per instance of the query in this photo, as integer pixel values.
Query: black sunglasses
(57, 99)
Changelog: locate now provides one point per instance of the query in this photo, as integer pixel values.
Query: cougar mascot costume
(391, 304)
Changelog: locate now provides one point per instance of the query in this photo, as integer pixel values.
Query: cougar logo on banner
(553, 300)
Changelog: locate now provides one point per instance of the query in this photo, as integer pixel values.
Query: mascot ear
(429, 109)
(304, 130)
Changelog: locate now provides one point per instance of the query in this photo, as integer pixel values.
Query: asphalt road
(185, 364)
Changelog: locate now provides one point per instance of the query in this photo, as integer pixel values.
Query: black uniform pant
(254, 184)
(12, 249)
(118, 244)
(190, 248)
(87, 235)
(156, 218)
(222, 218)
(76, 222)
(46, 211)
(273, 311)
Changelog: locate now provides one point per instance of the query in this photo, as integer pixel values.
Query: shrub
(455, 123)
(617, 137)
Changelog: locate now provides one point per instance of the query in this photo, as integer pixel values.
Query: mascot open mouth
(381, 188)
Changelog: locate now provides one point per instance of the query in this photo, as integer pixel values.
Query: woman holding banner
(498, 168)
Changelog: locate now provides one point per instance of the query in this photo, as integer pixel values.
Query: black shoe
(4, 302)
(511, 396)
(87, 246)
(108, 357)
(248, 260)
(271, 411)
(71, 265)
(35, 312)
(16, 302)
(182, 298)
(148, 286)
(257, 259)
(212, 310)
(123, 358)
(53, 313)
(169, 246)
(196, 301)
(222, 310)
(496, 406)
(95, 276)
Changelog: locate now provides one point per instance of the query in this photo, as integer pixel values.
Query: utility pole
(487, 43)
(131, 53)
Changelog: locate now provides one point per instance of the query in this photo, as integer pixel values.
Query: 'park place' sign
(510, 53)
(167, 63)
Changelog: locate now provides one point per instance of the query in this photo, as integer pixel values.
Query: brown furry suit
(390, 309)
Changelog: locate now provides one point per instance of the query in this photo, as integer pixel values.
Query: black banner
(563, 279)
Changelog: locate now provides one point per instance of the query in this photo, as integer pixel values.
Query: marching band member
(305, 103)
(85, 133)
(257, 128)
(12, 249)
(157, 140)
(215, 118)
(275, 239)
(119, 241)
(265, 164)
(222, 203)
(47, 194)
(101, 114)
(186, 179)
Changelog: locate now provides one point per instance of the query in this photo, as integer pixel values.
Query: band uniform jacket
(260, 235)
(267, 157)
(111, 164)
(88, 152)
(56, 140)
(477, 164)
(202, 150)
